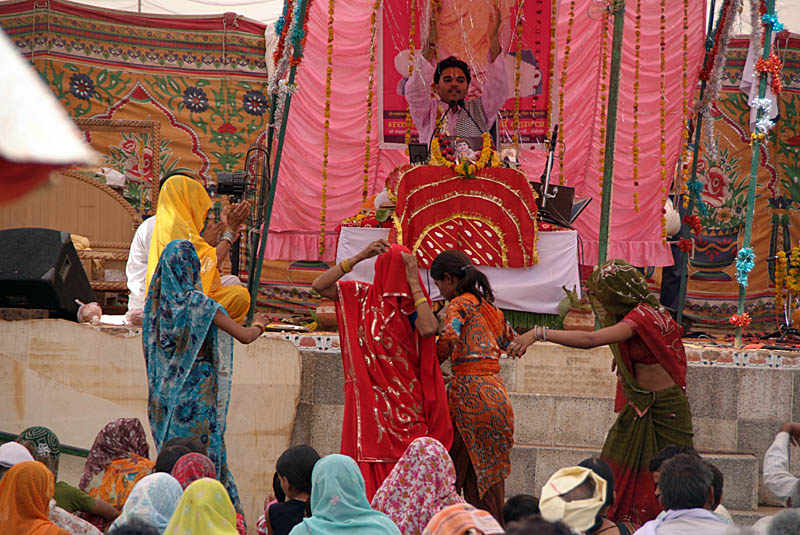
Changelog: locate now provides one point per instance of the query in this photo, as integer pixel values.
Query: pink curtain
(634, 236)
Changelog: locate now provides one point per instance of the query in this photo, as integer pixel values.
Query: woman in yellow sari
(182, 208)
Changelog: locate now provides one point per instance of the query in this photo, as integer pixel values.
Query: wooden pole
(255, 271)
(618, 10)
(756, 156)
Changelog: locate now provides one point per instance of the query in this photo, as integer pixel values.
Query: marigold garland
(562, 87)
(793, 278)
(603, 97)
(662, 118)
(412, 23)
(326, 129)
(780, 278)
(517, 75)
(488, 158)
(685, 156)
(553, 24)
(373, 32)
(636, 77)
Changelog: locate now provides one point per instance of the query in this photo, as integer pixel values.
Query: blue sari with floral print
(189, 362)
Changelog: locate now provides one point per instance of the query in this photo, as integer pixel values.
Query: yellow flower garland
(636, 75)
(562, 88)
(326, 130)
(793, 278)
(412, 22)
(662, 27)
(488, 158)
(780, 278)
(370, 96)
(603, 97)
(517, 75)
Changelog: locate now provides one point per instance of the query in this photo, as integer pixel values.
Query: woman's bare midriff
(652, 377)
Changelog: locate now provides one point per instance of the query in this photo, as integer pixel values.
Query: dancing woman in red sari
(651, 364)
(394, 391)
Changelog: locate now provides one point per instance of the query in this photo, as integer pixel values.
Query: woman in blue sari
(189, 361)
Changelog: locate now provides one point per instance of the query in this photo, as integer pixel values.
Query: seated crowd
(122, 492)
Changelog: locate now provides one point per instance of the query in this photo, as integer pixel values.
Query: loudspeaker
(39, 268)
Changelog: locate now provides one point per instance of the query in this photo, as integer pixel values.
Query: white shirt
(685, 522)
(136, 268)
(777, 477)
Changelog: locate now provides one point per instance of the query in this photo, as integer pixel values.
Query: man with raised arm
(450, 79)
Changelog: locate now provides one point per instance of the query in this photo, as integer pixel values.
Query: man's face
(452, 85)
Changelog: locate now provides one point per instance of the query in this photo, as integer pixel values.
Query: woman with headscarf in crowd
(189, 361)
(651, 366)
(463, 519)
(420, 485)
(339, 502)
(149, 507)
(44, 446)
(602, 523)
(191, 467)
(389, 360)
(25, 494)
(183, 205)
(117, 460)
(205, 508)
(474, 336)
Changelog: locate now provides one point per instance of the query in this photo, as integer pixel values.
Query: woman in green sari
(651, 365)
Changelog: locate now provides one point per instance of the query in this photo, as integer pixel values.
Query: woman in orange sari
(25, 494)
(183, 204)
(394, 390)
(475, 334)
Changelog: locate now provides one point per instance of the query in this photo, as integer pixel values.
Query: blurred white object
(114, 178)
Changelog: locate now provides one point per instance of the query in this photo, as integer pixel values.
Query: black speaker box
(558, 208)
(39, 268)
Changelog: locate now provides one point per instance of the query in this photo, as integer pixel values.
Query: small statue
(89, 312)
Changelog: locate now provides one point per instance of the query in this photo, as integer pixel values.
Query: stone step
(748, 518)
(532, 465)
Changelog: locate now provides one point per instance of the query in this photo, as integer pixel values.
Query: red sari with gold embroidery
(394, 391)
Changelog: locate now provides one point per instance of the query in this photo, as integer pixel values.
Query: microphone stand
(545, 179)
(452, 105)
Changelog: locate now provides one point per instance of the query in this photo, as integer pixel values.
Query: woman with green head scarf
(46, 448)
(651, 367)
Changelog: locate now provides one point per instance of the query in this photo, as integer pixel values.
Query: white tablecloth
(532, 289)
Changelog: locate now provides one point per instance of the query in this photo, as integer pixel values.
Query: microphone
(451, 106)
(554, 137)
(461, 104)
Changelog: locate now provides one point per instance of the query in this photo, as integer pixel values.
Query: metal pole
(695, 153)
(756, 149)
(262, 246)
(618, 9)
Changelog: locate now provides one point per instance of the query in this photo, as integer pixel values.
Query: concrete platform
(287, 389)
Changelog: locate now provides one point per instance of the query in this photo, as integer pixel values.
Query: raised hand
(374, 249)
(412, 270)
(235, 215)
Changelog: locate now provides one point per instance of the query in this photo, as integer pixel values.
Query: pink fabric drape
(635, 237)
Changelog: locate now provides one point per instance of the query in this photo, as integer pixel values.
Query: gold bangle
(260, 326)
(345, 265)
(419, 301)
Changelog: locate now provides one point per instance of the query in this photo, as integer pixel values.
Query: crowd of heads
(178, 492)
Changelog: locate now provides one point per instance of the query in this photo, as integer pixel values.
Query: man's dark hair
(296, 464)
(717, 482)
(447, 63)
(668, 453)
(601, 468)
(194, 445)
(168, 457)
(536, 525)
(685, 481)
(520, 506)
(277, 490)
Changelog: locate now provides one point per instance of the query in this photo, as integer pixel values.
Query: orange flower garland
(326, 129)
(553, 23)
(488, 158)
(635, 143)
(562, 86)
(780, 278)
(685, 163)
(412, 22)
(603, 97)
(373, 32)
(662, 28)
(517, 74)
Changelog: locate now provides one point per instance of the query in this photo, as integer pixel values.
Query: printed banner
(463, 32)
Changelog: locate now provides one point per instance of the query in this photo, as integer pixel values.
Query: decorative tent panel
(712, 290)
(202, 78)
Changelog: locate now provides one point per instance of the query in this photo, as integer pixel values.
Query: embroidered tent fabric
(202, 78)
(712, 287)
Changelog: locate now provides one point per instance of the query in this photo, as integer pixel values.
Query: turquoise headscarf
(150, 505)
(189, 362)
(339, 502)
